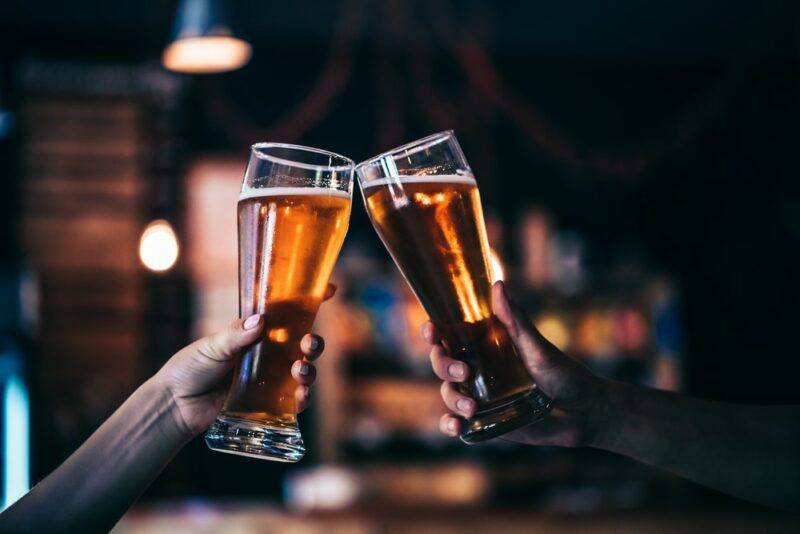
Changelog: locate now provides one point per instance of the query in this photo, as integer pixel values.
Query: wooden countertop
(200, 517)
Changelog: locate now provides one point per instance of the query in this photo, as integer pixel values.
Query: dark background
(662, 130)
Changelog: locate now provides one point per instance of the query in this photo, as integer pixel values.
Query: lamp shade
(203, 41)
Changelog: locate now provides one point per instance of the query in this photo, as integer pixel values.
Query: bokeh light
(158, 246)
(204, 55)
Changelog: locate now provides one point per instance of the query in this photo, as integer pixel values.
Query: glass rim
(257, 150)
(409, 148)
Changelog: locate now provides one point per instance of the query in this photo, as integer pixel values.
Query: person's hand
(576, 392)
(196, 376)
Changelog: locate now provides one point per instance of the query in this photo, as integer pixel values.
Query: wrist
(605, 415)
(170, 421)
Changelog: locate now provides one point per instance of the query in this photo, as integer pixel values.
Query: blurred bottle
(668, 337)
(567, 266)
(535, 239)
(551, 259)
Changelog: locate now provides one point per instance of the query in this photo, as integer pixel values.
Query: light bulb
(158, 246)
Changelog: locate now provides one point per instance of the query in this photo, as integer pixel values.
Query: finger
(304, 372)
(330, 291)
(302, 397)
(430, 334)
(461, 404)
(312, 346)
(450, 425)
(533, 346)
(447, 368)
(227, 343)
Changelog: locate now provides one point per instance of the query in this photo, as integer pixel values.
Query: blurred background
(638, 167)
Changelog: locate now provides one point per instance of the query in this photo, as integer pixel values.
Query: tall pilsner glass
(293, 214)
(423, 201)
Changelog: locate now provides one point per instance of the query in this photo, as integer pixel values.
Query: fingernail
(451, 425)
(456, 370)
(304, 369)
(426, 331)
(503, 290)
(313, 344)
(465, 405)
(252, 321)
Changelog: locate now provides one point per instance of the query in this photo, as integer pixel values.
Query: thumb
(227, 343)
(537, 352)
(200, 367)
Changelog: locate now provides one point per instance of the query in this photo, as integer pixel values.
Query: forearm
(94, 487)
(752, 452)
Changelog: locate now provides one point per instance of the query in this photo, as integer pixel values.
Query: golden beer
(293, 212)
(289, 239)
(433, 227)
(424, 203)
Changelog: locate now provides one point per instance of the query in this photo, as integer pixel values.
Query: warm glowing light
(278, 335)
(595, 334)
(496, 265)
(322, 488)
(471, 306)
(158, 246)
(554, 330)
(630, 329)
(205, 55)
(422, 198)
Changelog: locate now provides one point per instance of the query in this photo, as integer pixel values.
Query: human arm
(752, 452)
(94, 487)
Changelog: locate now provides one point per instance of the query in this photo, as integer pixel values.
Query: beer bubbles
(158, 246)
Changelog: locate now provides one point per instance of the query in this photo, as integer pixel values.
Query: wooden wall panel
(83, 242)
(82, 216)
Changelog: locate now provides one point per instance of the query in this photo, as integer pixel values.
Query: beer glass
(293, 212)
(423, 201)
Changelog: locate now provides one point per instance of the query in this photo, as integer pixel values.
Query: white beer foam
(467, 179)
(258, 192)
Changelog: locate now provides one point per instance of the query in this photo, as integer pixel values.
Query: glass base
(245, 438)
(524, 409)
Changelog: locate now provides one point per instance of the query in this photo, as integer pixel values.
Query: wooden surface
(82, 217)
(202, 518)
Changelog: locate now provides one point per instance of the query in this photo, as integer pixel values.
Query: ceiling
(601, 29)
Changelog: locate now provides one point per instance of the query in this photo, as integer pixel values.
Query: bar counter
(241, 517)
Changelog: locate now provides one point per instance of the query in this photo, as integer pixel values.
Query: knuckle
(439, 370)
(207, 347)
(235, 326)
(445, 390)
